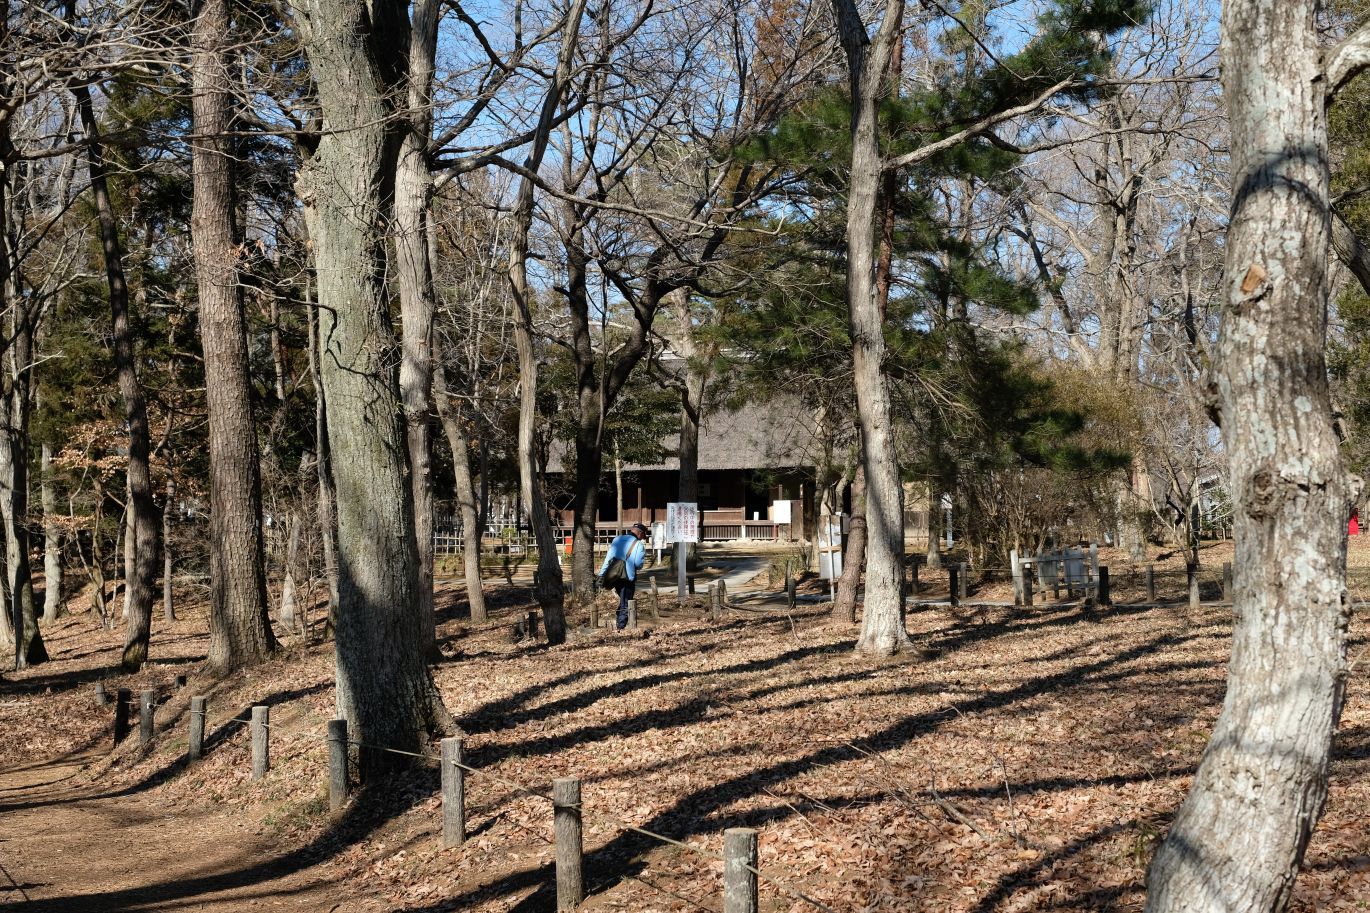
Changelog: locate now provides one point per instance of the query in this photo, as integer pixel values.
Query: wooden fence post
(1227, 580)
(739, 879)
(656, 601)
(453, 793)
(101, 695)
(713, 600)
(1027, 589)
(122, 699)
(791, 597)
(196, 746)
(953, 585)
(1151, 583)
(1103, 594)
(964, 577)
(261, 746)
(147, 702)
(533, 625)
(632, 613)
(337, 764)
(566, 823)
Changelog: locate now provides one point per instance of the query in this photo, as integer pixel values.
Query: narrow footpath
(66, 846)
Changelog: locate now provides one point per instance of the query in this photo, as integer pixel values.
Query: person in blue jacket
(633, 550)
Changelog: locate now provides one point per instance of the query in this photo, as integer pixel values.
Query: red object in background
(1353, 528)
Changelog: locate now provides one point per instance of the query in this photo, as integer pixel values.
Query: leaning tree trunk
(844, 606)
(882, 627)
(239, 625)
(142, 585)
(548, 591)
(471, 526)
(1239, 838)
(384, 688)
(414, 274)
(52, 544)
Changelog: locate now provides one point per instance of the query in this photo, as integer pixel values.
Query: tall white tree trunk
(1240, 836)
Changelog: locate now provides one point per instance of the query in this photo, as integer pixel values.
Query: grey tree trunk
(854, 559)
(239, 626)
(142, 584)
(53, 606)
(323, 464)
(472, 526)
(168, 564)
(414, 272)
(384, 688)
(287, 614)
(1239, 838)
(882, 629)
(548, 592)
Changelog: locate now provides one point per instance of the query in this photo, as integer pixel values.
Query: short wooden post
(1027, 589)
(791, 597)
(147, 702)
(337, 764)
(713, 600)
(101, 695)
(964, 577)
(198, 708)
(690, 584)
(261, 745)
(533, 625)
(953, 585)
(123, 698)
(739, 875)
(1103, 595)
(632, 613)
(182, 680)
(1227, 580)
(914, 585)
(1151, 583)
(566, 823)
(453, 793)
(656, 602)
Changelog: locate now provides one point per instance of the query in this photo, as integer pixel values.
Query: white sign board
(780, 512)
(659, 535)
(682, 522)
(830, 549)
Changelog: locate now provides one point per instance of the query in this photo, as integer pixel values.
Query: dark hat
(642, 528)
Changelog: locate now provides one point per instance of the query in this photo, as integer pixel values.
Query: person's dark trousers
(625, 592)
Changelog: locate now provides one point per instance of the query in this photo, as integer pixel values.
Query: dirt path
(68, 847)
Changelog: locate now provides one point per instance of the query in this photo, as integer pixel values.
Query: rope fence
(741, 873)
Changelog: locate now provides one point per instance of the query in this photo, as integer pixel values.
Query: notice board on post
(682, 522)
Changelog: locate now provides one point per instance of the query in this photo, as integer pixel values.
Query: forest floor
(1023, 759)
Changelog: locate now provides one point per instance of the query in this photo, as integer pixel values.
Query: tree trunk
(882, 628)
(618, 488)
(384, 688)
(53, 606)
(844, 606)
(585, 510)
(1239, 838)
(142, 585)
(239, 626)
(168, 594)
(328, 527)
(548, 591)
(287, 613)
(414, 272)
(472, 525)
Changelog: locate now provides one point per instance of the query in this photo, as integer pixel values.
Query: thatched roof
(779, 433)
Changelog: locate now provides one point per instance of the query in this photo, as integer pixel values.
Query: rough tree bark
(145, 521)
(548, 591)
(323, 465)
(1240, 836)
(418, 301)
(239, 626)
(882, 629)
(384, 688)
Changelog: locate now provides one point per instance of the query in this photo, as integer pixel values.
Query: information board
(682, 522)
